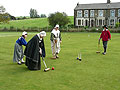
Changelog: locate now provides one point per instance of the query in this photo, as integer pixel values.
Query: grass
(27, 23)
(95, 72)
(39, 22)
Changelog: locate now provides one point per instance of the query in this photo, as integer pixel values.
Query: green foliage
(94, 72)
(38, 22)
(2, 9)
(117, 25)
(29, 23)
(58, 18)
(4, 18)
(71, 18)
(33, 13)
(43, 16)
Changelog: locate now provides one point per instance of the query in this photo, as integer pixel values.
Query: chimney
(108, 1)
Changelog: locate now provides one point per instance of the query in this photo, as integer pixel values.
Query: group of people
(35, 48)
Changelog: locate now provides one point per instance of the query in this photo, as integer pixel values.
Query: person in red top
(106, 36)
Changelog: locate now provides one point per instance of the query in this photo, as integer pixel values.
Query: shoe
(19, 63)
(22, 61)
(57, 56)
(104, 53)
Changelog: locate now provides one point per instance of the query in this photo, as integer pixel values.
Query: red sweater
(105, 35)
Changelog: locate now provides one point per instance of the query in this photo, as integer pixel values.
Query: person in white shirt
(55, 41)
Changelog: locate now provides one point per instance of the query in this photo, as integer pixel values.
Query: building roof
(98, 6)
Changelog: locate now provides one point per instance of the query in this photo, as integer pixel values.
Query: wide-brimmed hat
(105, 26)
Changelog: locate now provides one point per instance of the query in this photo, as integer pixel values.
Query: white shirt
(56, 33)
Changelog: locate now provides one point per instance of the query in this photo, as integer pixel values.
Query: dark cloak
(32, 53)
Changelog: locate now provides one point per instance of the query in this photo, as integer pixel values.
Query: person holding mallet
(106, 36)
(18, 49)
(55, 41)
(34, 50)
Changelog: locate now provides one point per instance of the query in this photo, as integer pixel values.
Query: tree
(4, 17)
(58, 18)
(33, 13)
(2, 9)
(117, 25)
(43, 16)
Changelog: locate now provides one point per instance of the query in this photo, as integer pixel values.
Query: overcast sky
(22, 7)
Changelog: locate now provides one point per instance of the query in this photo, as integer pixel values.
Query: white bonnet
(57, 26)
(43, 33)
(24, 33)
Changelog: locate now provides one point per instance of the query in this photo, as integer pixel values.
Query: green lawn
(38, 22)
(94, 72)
(28, 23)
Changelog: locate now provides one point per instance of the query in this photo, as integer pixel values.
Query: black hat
(105, 26)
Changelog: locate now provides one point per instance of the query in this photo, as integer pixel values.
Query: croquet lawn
(94, 72)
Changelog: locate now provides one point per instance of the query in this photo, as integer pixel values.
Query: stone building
(97, 14)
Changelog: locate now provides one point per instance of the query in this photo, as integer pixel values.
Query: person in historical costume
(106, 36)
(34, 50)
(18, 49)
(55, 41)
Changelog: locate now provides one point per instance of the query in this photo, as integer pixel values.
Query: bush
(117, 25)
(71, 25)
(58, 18)
(5, 29)
(12, 28)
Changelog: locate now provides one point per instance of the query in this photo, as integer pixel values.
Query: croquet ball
(77, 58)
(80, 59)
(53, 68)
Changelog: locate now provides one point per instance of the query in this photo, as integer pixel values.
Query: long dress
(32, 53)
(18, 49)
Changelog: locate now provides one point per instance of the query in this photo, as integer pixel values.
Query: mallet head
(47, 69)
(97, 51)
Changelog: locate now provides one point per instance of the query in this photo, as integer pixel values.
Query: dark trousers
(105, 45)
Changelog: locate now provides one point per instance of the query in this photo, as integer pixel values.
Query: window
(92, 23)
(86, 22)
(119, 20)
(100, 22)
(112, 22)
(79, 22)
(86, 13)
(103, 22)
(112, 13)
(118, 12)
(100, 13)
(79, 13)
(91, 13)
